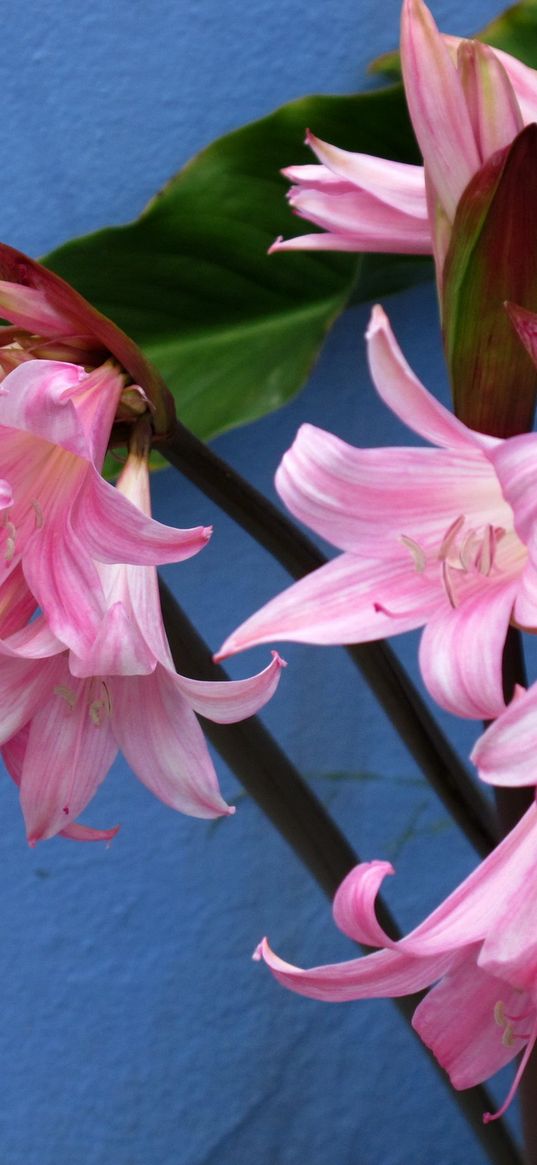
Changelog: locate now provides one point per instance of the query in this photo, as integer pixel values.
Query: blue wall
(135, 1029)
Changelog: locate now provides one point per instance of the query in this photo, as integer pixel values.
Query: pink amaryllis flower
(466, 101)
(63, 716)
(442, 537)
(478, 948)
(55, 421)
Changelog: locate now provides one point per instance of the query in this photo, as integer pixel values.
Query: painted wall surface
(135, 1029)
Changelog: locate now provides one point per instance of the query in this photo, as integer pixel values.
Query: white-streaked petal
(461, 652)
(407, 397)
(228, 701)
(349, 600)
(365, 500)
(162, 741)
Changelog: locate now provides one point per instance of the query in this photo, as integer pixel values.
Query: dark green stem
(376, 661)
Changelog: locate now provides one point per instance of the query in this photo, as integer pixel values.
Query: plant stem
(277, 787)
(376, 661)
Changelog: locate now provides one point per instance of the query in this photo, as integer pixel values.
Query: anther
(450, 536)
(66, 694)
(38, 514)
(448, 584)
(417, 552)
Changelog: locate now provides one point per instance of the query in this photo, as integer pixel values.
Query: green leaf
(233, 331)
(514, 31)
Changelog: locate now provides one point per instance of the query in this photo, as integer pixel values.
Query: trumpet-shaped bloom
(63, 716)
(478, 947)
(55, 424)
(466, 101)
(437, 536)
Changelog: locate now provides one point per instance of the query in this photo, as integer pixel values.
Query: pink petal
(349, 600)
(25, 687)
(515, 462)
(69, 752)
(371, 224)
(396, 183)
(456, 1021)
(65, 582)
(377, 976)
(13, 754)
(79, 832)
(522, 78)
(162, 741)
(510, 948)
(461, 652)
(33, 641)
(29, 309)
(231, 700)
(354, 904)
(113, 529)
(404, 394)
(40, 400)
(492, 105)
(437, 106)
(400, 242)
(506, 754)
(316, 177)
(118, 648)
(17, 604)
(365, 500)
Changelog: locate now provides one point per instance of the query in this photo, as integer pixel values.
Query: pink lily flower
(478, 948)
(55, 424)
(466, 101)
(63, 716)
(442, 537)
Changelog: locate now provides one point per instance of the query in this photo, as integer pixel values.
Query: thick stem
(376, 661)
(273, 782)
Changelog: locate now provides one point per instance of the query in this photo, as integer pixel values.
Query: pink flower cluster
(85, 667)
(443, 536)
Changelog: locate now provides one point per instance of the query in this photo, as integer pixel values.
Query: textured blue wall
(135, 1029)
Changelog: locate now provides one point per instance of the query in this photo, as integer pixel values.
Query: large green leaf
(233, 331)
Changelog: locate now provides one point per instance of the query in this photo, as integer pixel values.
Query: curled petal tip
(278, 659)
(225, 651)
(207, 532)
(276, 245)
(258, 953)
(377, 320)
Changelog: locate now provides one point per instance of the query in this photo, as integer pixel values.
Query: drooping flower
(441, 537)
(466, 101)
(64, 715)
(479, 949)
